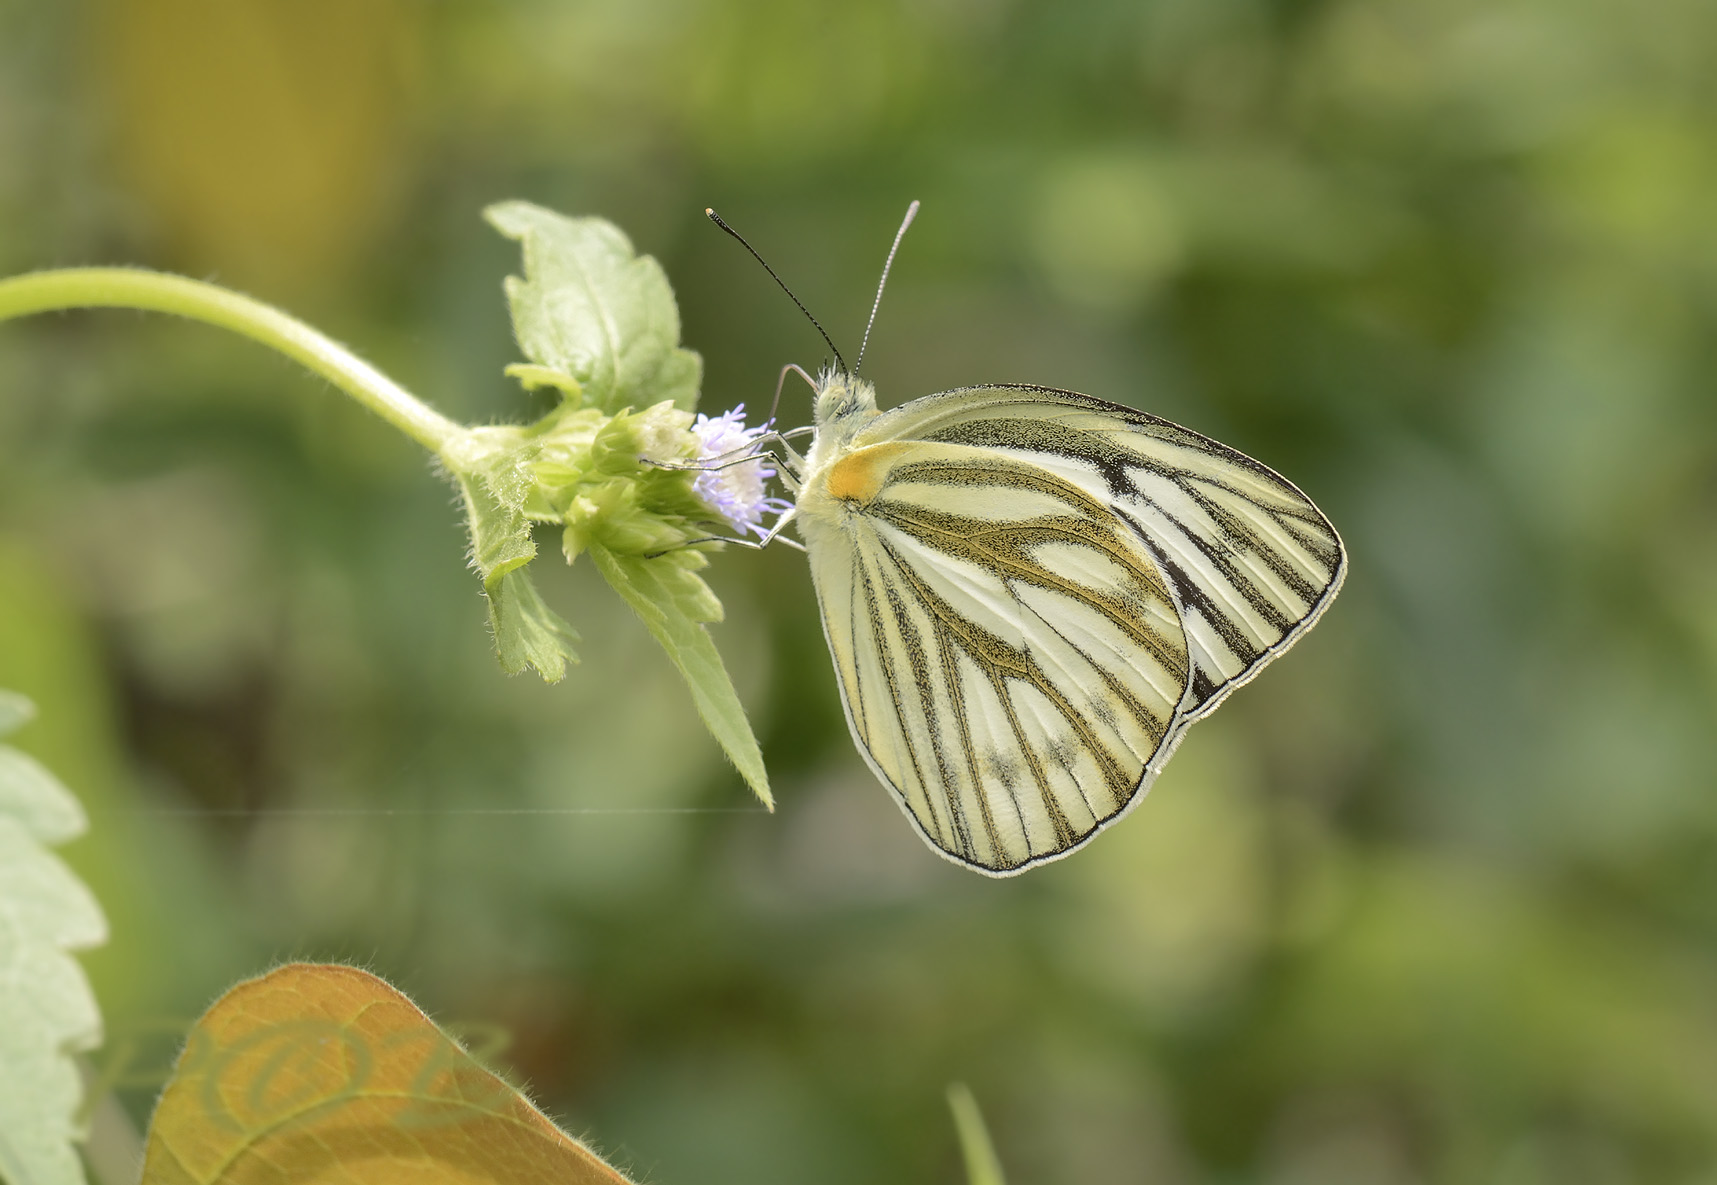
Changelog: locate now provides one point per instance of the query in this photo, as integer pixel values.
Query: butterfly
(1030, 594)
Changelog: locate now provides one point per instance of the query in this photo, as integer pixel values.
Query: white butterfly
(1029, 594)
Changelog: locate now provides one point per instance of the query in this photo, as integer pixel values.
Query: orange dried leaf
(320, 1073)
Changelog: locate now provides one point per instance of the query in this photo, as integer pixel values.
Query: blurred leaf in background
(320, 1070)
(1435, 901)
(266, 139)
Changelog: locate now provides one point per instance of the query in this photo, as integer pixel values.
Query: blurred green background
(1435, 900)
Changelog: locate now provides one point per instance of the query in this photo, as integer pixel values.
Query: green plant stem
(982, 1165)
(134, 288)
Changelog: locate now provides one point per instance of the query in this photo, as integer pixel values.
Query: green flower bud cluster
(613, 482)
(607, 465)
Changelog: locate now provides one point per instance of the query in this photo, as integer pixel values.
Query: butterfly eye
(833, 403)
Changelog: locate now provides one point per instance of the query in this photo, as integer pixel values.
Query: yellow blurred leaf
(317, 1072)
(270, 139)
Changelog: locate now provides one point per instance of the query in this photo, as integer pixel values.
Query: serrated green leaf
(983, 1167)
(47, 1011)
(527, 631)
(500, 534)
(591, 308)
(493, 469)
(674, 603)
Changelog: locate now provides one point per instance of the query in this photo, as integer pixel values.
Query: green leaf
(674, 602)
(982, 1165)
(590, 308)
(527, 631)
(533, 377)
(47, 1011)
(493, 467)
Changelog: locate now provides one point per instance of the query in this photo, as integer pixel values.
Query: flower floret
(738, 492)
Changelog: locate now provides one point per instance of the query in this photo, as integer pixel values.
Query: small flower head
(737, 492)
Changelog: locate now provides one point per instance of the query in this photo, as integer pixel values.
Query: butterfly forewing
(1011, 659)
(1251, 561)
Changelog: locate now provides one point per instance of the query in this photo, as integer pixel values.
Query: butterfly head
(841, 396)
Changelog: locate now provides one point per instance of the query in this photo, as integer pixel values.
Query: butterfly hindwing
(1010, 657)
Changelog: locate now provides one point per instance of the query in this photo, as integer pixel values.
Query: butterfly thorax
(844, 406)
(837, 479)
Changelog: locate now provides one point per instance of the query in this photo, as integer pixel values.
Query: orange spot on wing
(860, 475)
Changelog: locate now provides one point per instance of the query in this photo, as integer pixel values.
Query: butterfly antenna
(716, 218)
(911, 213)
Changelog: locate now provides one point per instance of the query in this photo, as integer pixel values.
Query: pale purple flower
(739, 493)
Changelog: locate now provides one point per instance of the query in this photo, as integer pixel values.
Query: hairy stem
(135, 288)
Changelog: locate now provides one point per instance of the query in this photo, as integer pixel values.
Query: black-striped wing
(1029, 594)
(1010, 659)
(1251, 561)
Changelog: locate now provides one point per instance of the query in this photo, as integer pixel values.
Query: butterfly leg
(758, 544)
(781, 381)
(754, 450)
